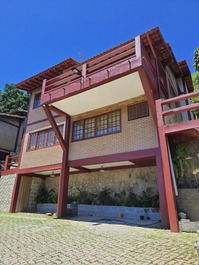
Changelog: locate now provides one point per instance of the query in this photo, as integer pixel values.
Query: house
(12, 126)
(108, 122)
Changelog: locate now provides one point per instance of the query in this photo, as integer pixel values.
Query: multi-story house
(106, 122)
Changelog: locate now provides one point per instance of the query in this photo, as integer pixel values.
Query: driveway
(38, 239)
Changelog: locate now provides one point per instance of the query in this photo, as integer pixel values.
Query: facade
(106, 123)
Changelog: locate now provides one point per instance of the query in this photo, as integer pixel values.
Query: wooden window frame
(95, 126)
(46, 131)
(137, 104)
(34, 103)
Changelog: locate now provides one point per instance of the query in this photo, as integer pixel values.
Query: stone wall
(136, 180)
(188, 202)
(36, 184)
(6, 189)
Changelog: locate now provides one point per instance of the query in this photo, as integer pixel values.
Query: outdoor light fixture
(102, 169)
(52, 175)
(76, 71)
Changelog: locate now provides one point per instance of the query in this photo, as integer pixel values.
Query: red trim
(30, 169)
(114, 157)
(179, 98)
(64, 175)
(54, 126)
(36, 122)
(15, 193)
(45, 140)
(182, 126)
(148, 92)
(170, 196)
(60, 112)
(95, 117)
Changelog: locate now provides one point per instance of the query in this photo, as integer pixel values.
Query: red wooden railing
(10, 162)
(180, 125)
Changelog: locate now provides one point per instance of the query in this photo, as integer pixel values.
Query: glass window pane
(32, 141)
(61, 131)
(102, 125)
(37, 101)
(41, 139)
(50, 137)
(89, 128)
(114, 122)
(78, 130)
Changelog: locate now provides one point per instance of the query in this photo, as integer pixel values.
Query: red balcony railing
(10, 162)
(181, 125)
(92, 72)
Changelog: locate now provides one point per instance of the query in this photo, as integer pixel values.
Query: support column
(64, 176)
(15, 194)
(161, 191)
(170, 197)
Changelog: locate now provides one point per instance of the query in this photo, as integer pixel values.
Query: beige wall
(135, 135)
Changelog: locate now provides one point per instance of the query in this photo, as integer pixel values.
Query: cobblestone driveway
(37, 239)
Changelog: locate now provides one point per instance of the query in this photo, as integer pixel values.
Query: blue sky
(37, 34)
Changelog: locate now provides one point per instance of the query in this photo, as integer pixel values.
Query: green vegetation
(12, 98)
(195, 79)
(105, 197)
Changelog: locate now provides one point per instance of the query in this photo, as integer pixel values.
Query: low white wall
(106, 211)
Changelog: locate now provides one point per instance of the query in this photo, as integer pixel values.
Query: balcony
(181, 130)
(106, 79)
(11, 162)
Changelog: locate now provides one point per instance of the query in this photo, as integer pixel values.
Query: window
(43, 139)
(37, 101)
(97, 126)
(138, 110)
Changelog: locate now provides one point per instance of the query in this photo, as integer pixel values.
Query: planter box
(105, 211)
(51, 208)
(116, 211)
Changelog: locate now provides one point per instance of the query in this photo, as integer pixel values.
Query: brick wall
(135, 135)
(6, 188)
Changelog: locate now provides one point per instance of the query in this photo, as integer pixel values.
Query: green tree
(12, 98)
(195, 78)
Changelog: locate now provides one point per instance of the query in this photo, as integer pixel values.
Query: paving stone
(38, 239)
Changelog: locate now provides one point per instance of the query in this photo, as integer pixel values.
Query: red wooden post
(15, 194)
(170, 197)
(6, 164)
(161, 191)
(64, 176)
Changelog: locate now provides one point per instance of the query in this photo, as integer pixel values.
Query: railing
(98, 69)
(191, 123)
(10, 162)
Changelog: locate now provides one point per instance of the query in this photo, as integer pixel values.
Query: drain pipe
(172, 170)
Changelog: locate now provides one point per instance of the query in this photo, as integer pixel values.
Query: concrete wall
(188, 202)
(136, 180)
(6, 189)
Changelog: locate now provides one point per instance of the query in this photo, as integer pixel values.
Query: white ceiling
(110, 93)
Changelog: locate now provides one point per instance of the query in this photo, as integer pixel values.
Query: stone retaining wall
(6, 189)
(188, 202)
(136, 180)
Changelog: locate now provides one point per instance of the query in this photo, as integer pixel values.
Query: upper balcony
(111, 77)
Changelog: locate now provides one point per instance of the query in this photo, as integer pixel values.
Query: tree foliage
(12, 98)
(195, 79)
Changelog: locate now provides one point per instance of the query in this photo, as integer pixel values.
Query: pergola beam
(55, 127)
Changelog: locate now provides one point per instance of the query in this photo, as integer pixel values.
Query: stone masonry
(6, 188)
(136, 180)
